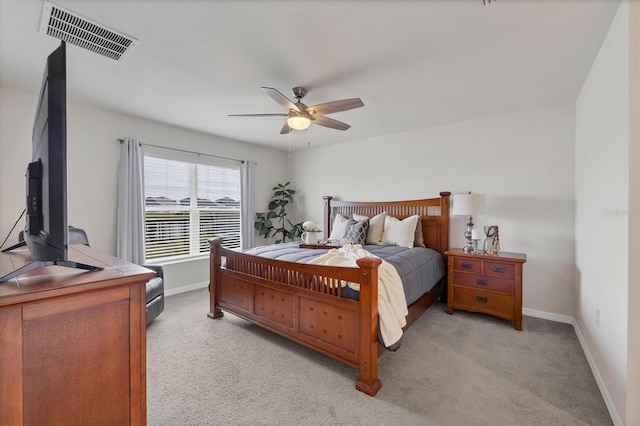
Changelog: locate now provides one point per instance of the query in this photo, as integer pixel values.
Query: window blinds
(186, 204)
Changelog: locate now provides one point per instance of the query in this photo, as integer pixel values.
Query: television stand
(39, 263)
(73, 346)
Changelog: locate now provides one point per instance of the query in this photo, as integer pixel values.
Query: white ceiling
(415, 64)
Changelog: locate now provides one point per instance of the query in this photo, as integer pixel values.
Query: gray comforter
(419, 268)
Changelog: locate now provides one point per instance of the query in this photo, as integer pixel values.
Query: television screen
(47, 232)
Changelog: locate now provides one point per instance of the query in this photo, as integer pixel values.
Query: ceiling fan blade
(329, 122)
(280, 99)
(285, 129)
(280, 114)
(335, 106)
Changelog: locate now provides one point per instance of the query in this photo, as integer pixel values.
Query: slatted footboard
(302, 302)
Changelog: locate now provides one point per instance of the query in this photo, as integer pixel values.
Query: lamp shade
(466, 204)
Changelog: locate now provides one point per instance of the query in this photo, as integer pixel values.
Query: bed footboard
(303, 303)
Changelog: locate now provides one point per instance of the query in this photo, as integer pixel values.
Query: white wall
(522, 162)
(602, 211)
(633, 358)
(93, 154)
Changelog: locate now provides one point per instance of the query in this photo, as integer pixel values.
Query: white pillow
(376, 227)
(339, 227)
(399, 232)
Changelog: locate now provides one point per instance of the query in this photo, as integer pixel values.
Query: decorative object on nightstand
(492, 242)
(476, 236)
(467, 205)
(487, 284)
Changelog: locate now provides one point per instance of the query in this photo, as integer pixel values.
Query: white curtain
(247, 196)
(130, 226)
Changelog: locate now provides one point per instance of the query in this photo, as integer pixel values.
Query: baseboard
(186, 288)
(615, 418)
(566, 319)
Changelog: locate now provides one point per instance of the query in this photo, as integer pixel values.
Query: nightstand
(491, 284)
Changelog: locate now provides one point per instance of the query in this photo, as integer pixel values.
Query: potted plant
(264, 223)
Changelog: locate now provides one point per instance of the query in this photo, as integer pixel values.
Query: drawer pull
(498, 269)
(480, 281)
(467, 265)
(482, 299)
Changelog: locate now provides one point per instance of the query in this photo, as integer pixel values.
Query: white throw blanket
(392, 304)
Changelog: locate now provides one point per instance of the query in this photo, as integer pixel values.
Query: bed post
(444, 222)
(327, 215)
(214, 270)
(368, 381)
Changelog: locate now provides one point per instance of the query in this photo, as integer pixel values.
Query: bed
(307, 303)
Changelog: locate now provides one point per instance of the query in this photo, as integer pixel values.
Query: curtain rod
(121, 140)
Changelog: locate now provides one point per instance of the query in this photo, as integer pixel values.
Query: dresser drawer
(467, 265)
(499, 269)
(500, 305)
(484, 282)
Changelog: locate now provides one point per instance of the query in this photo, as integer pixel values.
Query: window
(187, 202)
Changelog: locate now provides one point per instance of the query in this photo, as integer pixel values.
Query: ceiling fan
(301, 116)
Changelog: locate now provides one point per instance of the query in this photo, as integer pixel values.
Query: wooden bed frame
(303, 302)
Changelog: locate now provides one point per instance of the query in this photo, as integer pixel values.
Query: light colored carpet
(463, 369)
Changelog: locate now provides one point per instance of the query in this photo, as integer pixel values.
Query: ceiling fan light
(298, 122)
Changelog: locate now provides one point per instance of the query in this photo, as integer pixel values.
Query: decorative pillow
(376, 227)
(356, 231)
(339, 227)
(419, 237)
(399, 232)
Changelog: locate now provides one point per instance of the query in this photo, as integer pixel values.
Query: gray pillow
(419, 238)
(356, 231)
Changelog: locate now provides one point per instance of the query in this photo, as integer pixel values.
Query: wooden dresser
(73, 342)
(491, 284)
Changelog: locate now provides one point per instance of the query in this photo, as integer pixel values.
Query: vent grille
(72, 28)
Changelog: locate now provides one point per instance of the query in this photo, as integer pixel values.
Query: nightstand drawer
(484, 282)
(467, 265)
(500, 305)
(499, 269)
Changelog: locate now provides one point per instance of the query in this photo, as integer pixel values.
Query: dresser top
(502, 255)
(52, 281)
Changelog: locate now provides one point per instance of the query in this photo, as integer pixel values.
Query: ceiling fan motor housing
(299, 92)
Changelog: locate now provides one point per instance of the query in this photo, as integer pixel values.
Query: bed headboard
(434, 215)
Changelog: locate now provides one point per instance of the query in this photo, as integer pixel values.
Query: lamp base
(467, 234)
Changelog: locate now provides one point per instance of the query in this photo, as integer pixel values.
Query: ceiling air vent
(75, 29)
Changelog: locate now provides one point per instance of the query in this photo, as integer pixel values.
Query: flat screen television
(47, 232)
